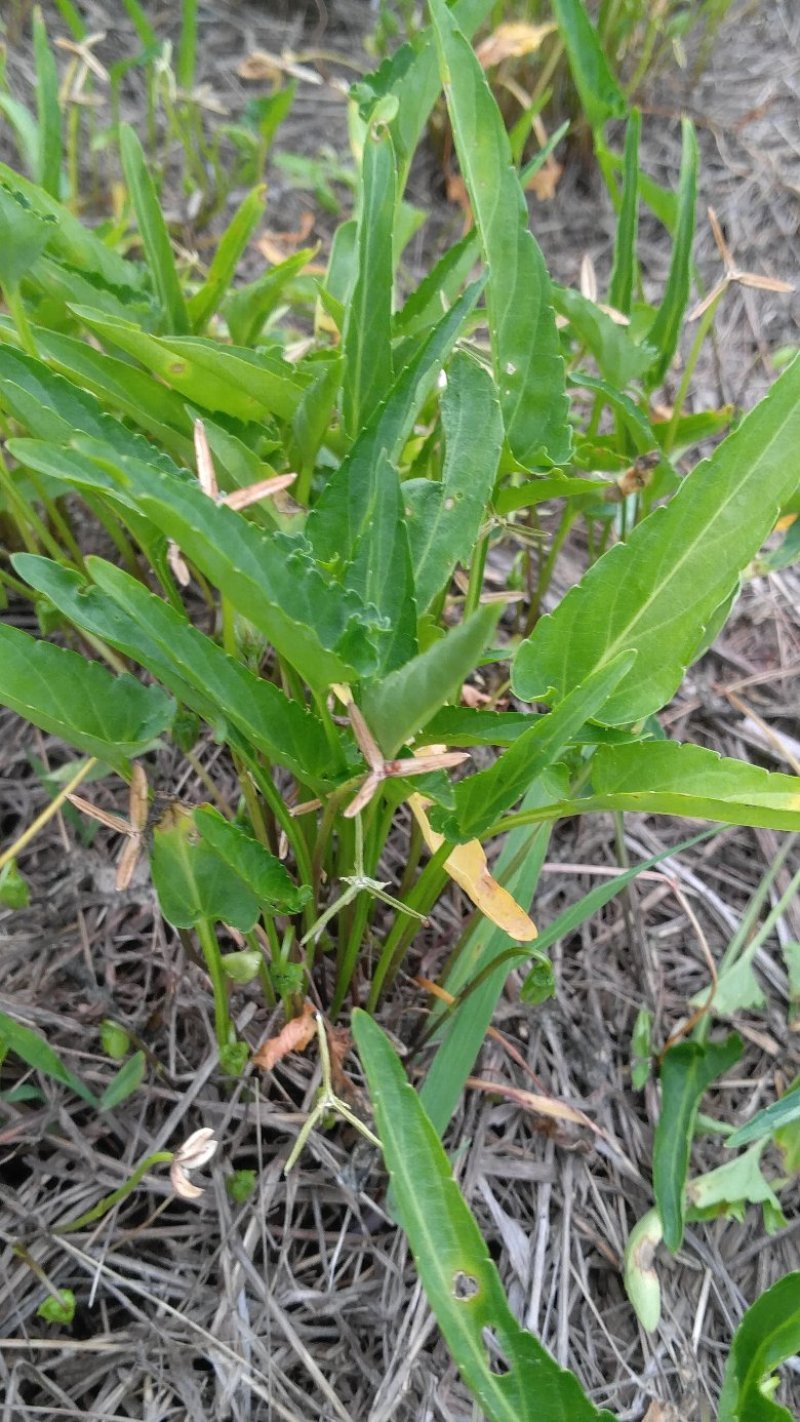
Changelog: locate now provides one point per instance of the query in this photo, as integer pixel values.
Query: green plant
(323, 643)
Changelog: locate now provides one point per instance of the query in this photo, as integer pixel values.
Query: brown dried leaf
(512, 40)
(294, 1037)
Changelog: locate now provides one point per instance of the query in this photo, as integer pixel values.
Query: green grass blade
(687, 1070)
(398, 705)
(72, 19)
(655, 593)
(111, 717)
(186, 63)
(445, 517)
(222, 271)
(529, 370)
(368, 323)
(124, 1082)
(623, 271)
(153, 230)
(768, 1335)
(600, 95)
(460, 1280)
(26, 130)
(24, 1042)
(48, 110)
(665, 331)
(144, 30)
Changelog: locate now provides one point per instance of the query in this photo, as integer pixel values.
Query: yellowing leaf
(467, 867)
(512, 41)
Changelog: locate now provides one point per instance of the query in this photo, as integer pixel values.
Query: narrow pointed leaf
(223, 268)
(665, 331)
(380, 572)
(481, 798)
(444, 518)
(401, 703)
(529, 370)
(36, 1052)
(687, 1071)
(368, 323)
(623, 272)
(600, 95)
(48, 109)
(656, 592)
(461, 1281)
(153, 229)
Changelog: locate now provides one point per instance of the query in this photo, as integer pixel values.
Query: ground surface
(302, 1302)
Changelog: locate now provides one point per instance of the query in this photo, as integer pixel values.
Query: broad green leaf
(36, 1052)
(400, 704)
(460, 1280)
(687, 1071)
(271, 883)
(380, 572)
(529, 371)
(767, 1336)
(656, 592)
(194, 884)
(23, 237)
(48, 109)
(368, 322)
(222, 271)
(148, 403)
(125, 614)
(619, 359)
(123, 1083)
(481, 798)
(665, 331)
(600, 95)
(321, 629)
(444, 518)
(624, 269)
(238, 382)
(773, 1118)
(111, 717)
(71, 240)
(341, 515)
(153, 229)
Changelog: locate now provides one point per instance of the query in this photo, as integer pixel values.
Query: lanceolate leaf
(226, 258)
(153, 229)
(687, 1070)
(623, 272)
(341, 516)
(663, 777)
(368, 324)
(767, 1336)
(111, 717)
(444, 518)
(665, 331)
(599, 92)
(199, 673)
(619, 359)
(525, 349)
(36, 1052)
(401, 703)
(656, 592)
(480, 798)
(461, 1281)
(380, 572)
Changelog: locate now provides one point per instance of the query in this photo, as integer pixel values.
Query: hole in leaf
(498, 1362)
(464, 1286)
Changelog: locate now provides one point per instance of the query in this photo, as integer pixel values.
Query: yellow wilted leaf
(468, 868)
(512, 41)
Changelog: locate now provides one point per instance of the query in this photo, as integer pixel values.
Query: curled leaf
(294, 1037)
(468, 868)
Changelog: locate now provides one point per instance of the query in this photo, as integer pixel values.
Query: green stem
(223, 1026)
(703, 327)
(159, 1157)
(423, 896)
